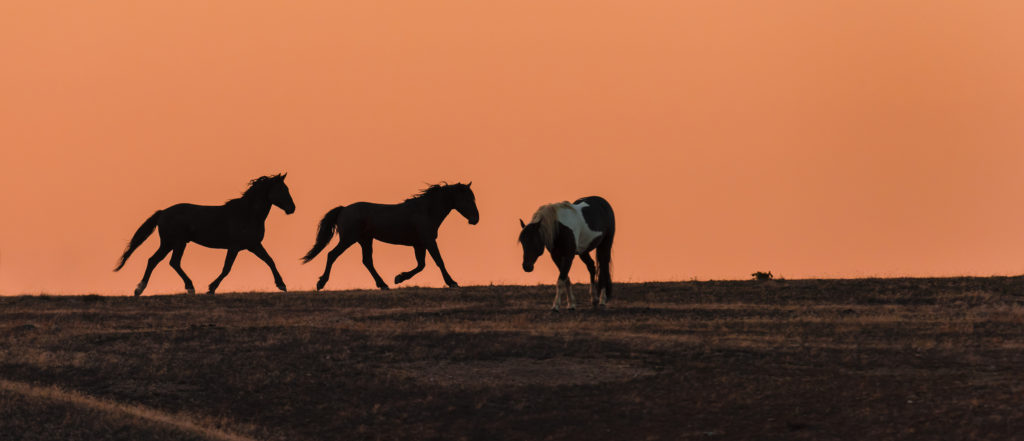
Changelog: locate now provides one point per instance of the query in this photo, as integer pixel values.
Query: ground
(770, 360)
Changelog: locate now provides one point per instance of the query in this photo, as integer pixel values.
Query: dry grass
(814, 359)
(123, 417)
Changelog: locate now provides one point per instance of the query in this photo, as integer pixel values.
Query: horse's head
(278, 194)
(533, 244)
(464, 202)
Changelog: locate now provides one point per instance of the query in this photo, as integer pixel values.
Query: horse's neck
(552, 244)
(563, 241)
(252, 208)
(438, 208)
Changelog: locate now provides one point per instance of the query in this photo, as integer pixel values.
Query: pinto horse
(413, 223)
(237, 225)
(569, 230)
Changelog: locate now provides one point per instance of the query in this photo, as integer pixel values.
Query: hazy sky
(809, 138)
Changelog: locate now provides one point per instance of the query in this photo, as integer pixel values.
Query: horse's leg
(563, 276)
(558, 295)
(558, 284)
(604, 275)
(570, 299)
(436, 255)
(153, 260)
(343, 244)
(367, 246)
(594, 291)
(228, 261)
(176, 264)
(260, 252)
(421, 254)
(564, 263)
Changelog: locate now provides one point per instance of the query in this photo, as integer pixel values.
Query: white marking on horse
(570, 299)
(558, 295)
(572, 217)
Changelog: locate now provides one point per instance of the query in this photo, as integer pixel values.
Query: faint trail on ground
(182, 423)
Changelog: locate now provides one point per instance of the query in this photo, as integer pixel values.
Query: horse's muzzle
(289, 211)
(527, 267)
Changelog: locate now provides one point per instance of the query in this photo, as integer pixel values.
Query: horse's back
(362, 211)
(191, 211)
(598, 214)
(390, 223)
(211, 226)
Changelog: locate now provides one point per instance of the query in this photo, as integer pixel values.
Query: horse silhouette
(567, 230)
(413, 223)
(237, 225)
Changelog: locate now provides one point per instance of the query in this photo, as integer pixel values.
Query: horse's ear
(470, 184)
(522, 224)
(285, 175)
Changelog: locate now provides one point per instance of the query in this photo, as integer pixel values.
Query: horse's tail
(324, 233)
(140, 236)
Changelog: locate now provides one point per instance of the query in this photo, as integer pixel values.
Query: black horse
(413, 223)
(568, 230)
(237, 225)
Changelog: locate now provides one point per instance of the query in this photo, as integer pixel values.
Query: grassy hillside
(805, 359)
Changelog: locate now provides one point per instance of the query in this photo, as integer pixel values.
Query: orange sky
(809, 138)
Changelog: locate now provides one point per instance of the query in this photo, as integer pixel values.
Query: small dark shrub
(762, 275)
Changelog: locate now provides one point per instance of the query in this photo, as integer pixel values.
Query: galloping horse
(237, 225)
(413, 223)
(568, 230)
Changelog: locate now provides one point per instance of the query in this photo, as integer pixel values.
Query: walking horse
(569, 230)
(413, 222)
(237, 225)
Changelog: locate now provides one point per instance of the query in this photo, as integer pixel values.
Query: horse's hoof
(452, 284)
(282, 287)
(383, 287)
(399, 279)
(320, 284)
(138, 292)
(554, 310)
(190, 291)
(210, 292)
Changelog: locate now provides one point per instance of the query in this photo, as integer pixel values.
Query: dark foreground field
(828, 359)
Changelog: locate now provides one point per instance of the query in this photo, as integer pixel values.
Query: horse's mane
(261, 183)
(546, 218)
(434, 190)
